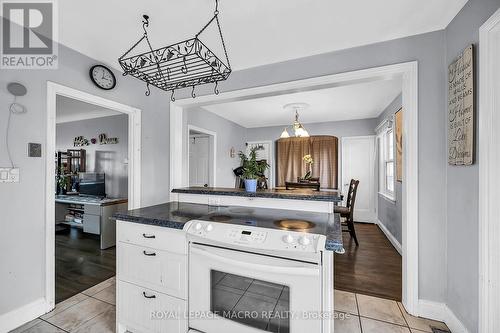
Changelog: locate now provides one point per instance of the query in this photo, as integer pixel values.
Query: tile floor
(93, 311)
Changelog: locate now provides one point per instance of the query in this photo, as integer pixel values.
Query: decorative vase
(251, 185)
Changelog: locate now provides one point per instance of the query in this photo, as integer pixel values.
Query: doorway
(202, 149)
(133, 173)
(489, 182)
(408, 72)
(358, 162)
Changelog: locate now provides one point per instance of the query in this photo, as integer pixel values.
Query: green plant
(62, 179)
(252, 169)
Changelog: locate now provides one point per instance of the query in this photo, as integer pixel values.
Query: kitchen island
(221, 260)
(298, 199)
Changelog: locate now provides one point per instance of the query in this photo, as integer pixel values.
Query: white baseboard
(20, 316)
(441, 312)
(390, 237)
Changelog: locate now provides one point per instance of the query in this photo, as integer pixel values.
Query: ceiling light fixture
(185, 64)
(297, 127)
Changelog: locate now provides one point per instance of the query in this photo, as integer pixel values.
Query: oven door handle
(305, 270)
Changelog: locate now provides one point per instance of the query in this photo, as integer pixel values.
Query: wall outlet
(9, 175)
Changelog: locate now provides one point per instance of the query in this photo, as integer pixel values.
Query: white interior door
(199, 161)
(358, 162)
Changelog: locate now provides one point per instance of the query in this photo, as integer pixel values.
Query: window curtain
(323, 150)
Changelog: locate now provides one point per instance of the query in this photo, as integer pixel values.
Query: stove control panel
(250, 236)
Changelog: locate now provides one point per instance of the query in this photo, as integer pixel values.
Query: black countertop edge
(149, 221)
(175, 215)
(307, 195)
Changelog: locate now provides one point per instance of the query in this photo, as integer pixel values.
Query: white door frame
(375, 169)
(134, 168)
(214, 150)
(489, 182)
(409, 73)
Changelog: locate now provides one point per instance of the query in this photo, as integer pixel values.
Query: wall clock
(102, 77)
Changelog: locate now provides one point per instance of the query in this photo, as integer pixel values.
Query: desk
(96, 215)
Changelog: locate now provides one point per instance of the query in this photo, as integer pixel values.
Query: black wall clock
(102, 77)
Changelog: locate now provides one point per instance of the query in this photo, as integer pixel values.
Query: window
(386, 162)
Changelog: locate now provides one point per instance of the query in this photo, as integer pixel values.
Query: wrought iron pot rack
(185, 64)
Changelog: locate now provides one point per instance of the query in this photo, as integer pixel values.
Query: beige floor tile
(345, 302)
(380, 309)
(77, 315)
(43, 327)
(64, 305)
(99, 287)
(107, 295)
(421, 324)
(346, 323)
(26, 326)
(103, 323)
(375, 326)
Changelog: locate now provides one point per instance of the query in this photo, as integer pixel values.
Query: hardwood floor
(374, 268)
(80, 264)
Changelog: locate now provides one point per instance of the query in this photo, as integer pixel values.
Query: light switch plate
(9, 175)
(34, 149)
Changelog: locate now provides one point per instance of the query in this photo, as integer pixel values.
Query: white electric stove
(251, 275)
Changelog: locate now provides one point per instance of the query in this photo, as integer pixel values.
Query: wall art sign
(104, 140)
(80, 141)
(461, 109)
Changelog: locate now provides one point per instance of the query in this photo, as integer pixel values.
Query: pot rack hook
(172, 98)
(216, 90)
(145, 23)
(148, 91)
(192, 92)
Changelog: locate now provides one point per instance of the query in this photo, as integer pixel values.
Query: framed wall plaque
(461, 109)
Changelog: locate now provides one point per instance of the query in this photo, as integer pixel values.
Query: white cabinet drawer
(137, 307)
(92, 209)
(160, 238)
(158, 270)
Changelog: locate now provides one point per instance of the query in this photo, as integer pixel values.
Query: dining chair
(347, 211)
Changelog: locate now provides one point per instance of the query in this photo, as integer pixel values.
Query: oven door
(233, 291)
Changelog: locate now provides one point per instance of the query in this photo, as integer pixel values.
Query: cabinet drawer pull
(148, 236)
(152, 296)
(150, 254)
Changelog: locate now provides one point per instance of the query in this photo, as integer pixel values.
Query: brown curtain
(290, 163)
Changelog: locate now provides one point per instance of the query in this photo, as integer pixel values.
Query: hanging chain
(216, 18)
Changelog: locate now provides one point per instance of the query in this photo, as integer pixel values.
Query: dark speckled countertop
(176, 214)
(298, 194)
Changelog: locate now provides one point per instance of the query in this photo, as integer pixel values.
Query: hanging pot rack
(189, 63)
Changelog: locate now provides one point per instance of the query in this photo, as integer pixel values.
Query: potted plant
(252, 169)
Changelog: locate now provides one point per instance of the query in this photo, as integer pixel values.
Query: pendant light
(298, 128)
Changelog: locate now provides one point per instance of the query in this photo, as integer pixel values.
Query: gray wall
(463, 181)
(335, 128)
(229, 134)
(108, 159)
(22, 205)
(390, 212)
